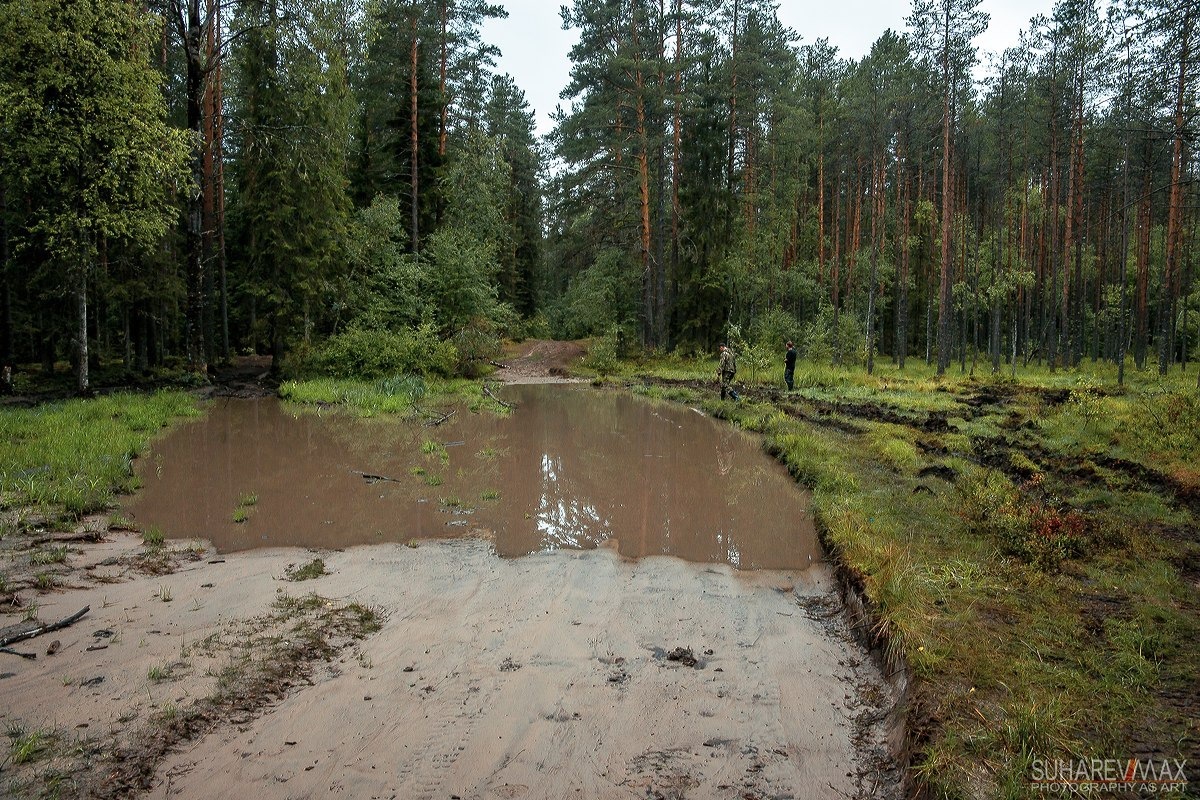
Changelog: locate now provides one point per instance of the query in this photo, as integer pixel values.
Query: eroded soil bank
(546, 676)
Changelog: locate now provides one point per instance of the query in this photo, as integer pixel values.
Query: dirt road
(539, 361)
(547, 676)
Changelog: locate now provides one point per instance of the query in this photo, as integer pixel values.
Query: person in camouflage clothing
(726, 370)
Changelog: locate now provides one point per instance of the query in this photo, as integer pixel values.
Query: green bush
(535, 327)
(601, 296)
(476, 343)
(373, 354)
(775, 329)
(820, 341)
(602, 354)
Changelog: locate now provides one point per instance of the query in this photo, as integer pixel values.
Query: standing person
(789, 365)
(725, 371)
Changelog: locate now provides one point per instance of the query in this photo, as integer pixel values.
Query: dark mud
(570, 468)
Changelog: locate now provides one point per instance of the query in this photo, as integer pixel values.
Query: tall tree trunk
(835, 278)
(1068, 247)
(733, 81)
(945, 303)
(7, 345)
(854, 235)
(81, 338)
(1142, 289)
(1170, 285)
(676, 141)
(660, 262)
(219, 157)
(879, 190)
(414, 132)
(195, 340)
(1024, 242)
(902, 303)
(208, 201)
(821, 200)
(643, 178)
(994, 334)
(443, 101)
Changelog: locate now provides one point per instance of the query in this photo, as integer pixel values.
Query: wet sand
(539, 677)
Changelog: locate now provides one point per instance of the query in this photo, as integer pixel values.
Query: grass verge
(71, 457)
(61, 466)
(407, 395)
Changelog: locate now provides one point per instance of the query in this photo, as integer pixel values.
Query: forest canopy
(322, 180)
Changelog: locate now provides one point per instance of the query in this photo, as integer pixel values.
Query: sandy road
(539, 361)
(538, 677)
(545, 677)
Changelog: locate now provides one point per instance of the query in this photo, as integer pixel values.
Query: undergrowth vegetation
(407, 395)
(372, 354)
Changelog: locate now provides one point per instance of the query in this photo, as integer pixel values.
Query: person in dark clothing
(789, 365)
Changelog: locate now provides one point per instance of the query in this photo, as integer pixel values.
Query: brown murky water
(570, 468)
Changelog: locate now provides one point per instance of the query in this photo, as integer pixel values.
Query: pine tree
(292, 205)
(86, 146)
(943, 31)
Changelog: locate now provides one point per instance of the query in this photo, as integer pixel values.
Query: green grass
(372, 398)
(53, 555)
(1037, 598)
(153, 536)
(27, 746)
(306, 572)
(246, 502)
(75, 455)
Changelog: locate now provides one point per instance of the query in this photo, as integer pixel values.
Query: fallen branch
(63, 538)
(62, 623)
(497, 364)
(488, 392)
(433, 423)
(369, 478)
(30, 656)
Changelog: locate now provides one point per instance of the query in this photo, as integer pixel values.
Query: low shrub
(602, 353)
(374, 354)
(1027, 525)
(477, 343)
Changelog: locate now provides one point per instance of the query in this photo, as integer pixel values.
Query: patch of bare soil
(540, 361)
(244, 376)
(565, 674)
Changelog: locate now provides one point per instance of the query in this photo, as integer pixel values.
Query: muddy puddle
(570, 468)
